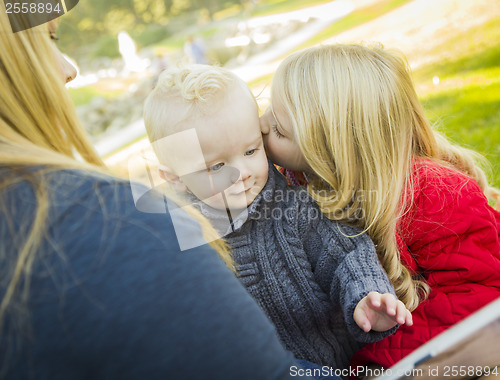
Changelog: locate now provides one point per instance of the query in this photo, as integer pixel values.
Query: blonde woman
(347, 118)
(91, 287)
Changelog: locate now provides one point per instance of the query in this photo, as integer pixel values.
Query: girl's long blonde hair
(39, 127)
(359, 124)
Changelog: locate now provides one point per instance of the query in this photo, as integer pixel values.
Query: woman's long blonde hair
(359, 124)
(39, 127)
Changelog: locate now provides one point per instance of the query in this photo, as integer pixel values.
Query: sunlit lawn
(355, 18)
(465, 104)
(109, 88)
(280, 6)
(267, 7)
(84, 95)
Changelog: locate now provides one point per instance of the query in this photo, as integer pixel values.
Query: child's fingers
(409, 318)
(365, 324)
(361, 318)
(401, 313)
(390, 303)
(374, 299)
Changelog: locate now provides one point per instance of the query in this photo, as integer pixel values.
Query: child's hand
(381, 312)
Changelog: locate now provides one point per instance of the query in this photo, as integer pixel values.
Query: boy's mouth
(242, 191)
(247, 188)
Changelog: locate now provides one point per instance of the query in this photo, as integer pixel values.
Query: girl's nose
(264, 122)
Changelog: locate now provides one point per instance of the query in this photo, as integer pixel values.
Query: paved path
(325, 15)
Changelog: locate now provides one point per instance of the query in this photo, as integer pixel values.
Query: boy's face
(235, 162)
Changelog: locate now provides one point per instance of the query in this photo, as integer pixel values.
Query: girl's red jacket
(450, 237)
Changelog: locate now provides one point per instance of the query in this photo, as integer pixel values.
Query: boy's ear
(173, 179)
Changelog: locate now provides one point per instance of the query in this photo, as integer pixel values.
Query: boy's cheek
(205, 185)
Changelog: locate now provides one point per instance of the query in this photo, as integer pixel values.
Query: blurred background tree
(148, 21)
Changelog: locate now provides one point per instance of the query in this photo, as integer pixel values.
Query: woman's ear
(173, 179)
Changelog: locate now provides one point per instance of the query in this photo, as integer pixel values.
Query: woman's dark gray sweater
(307, 272)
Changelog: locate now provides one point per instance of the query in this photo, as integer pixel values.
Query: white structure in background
(127, 49)
(80, 80)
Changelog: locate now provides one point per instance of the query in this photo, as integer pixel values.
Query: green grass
(172, 43)
(357, 17)
(279, 6)
(84, 95)
(470, 116)
(466, 102)
(263, 80)
(477, 49)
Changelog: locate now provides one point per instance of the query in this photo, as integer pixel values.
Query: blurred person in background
(195, 51)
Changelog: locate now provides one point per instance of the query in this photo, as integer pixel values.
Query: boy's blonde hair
(359, 124)
(183, 93)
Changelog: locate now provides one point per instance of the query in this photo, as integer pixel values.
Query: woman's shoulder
(67, 184)
(112, 195)
(80, 201)
(77, 185)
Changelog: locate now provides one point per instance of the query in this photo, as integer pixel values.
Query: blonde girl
(90, 287)
(348, 117)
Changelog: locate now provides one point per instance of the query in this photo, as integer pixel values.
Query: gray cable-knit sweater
(304, 270)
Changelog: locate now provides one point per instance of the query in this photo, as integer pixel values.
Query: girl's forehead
(276, 95)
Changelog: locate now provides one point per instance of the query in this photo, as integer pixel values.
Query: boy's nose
(243, 174)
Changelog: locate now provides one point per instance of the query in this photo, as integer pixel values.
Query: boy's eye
(53, 36)
(250, 152)
(276, 132)
(216, 167)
